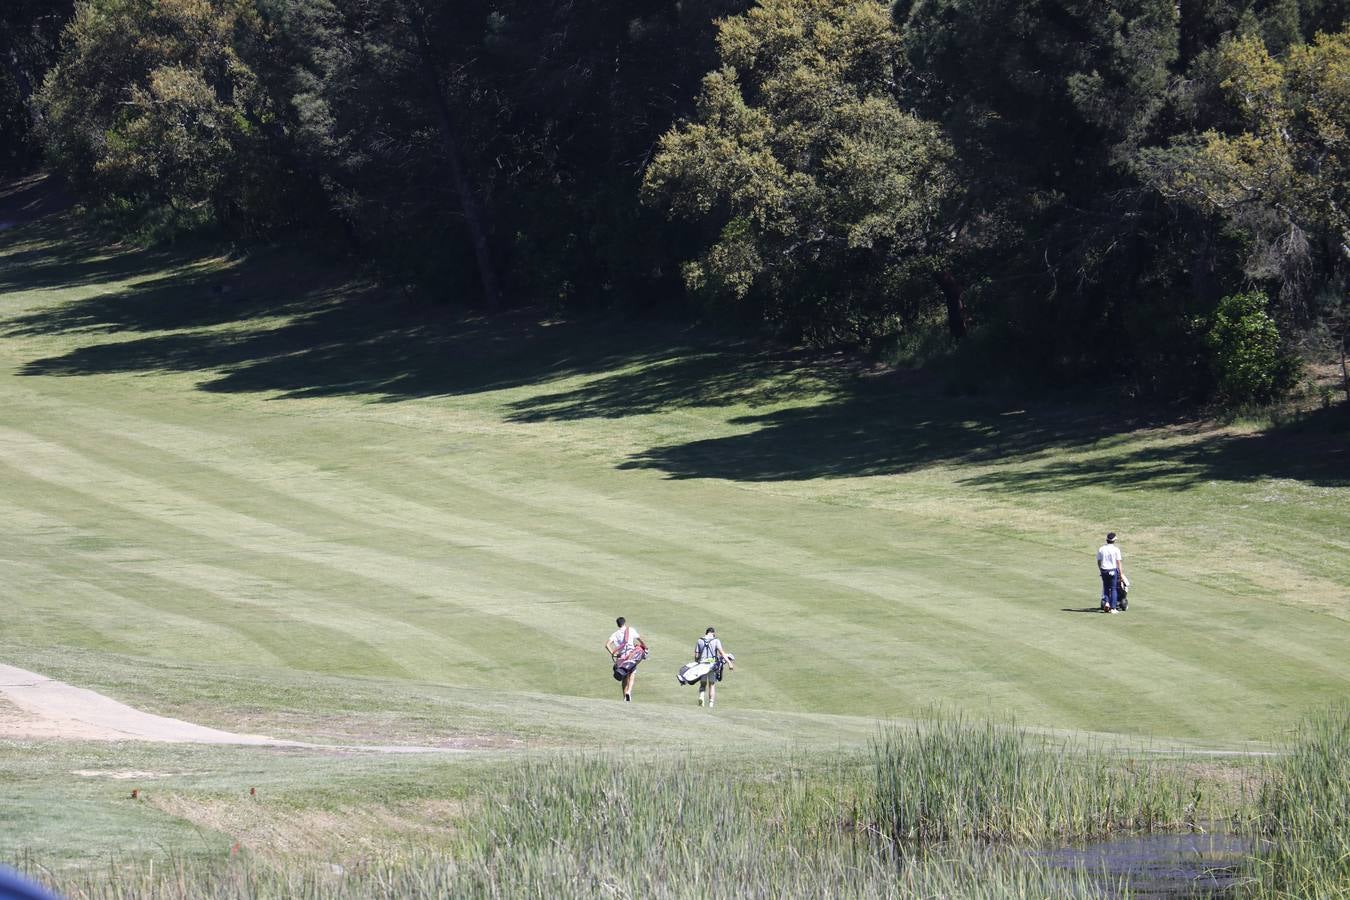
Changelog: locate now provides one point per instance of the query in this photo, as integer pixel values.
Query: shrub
(1250, 366)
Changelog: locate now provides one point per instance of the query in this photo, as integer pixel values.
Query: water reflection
(1162, 865)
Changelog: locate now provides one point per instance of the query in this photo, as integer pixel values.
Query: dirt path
(41, 707)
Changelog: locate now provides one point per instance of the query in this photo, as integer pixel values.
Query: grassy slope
(255, 495)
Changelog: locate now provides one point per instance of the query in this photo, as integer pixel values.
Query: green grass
(259, 493)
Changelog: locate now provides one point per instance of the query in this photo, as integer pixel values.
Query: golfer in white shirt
(621, 643)
(1111, 569)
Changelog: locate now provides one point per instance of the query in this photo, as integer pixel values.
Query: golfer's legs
(1110, 588)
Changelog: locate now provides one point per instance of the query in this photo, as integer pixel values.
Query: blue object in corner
(14, 886)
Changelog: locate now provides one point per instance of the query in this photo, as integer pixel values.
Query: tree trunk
(956, 308)
(468, 198)
(1345, 369)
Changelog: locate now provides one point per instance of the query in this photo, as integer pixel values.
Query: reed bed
(660, 828)
(943, 809)
(1305, 813)
(948, 779)
(968, 874)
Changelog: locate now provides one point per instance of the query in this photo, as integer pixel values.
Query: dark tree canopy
(1072, 189)
(30, 32)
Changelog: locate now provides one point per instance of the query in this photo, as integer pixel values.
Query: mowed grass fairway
(261, 495)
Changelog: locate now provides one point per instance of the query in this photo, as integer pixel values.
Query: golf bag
(692, 672)
(627, 661)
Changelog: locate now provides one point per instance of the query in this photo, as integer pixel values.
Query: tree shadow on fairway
(41, 248)
(708, 375)
(279, 323)
(288, 326)
(1315, 448)
(874, 427)
(1053, 448)
(344, 340)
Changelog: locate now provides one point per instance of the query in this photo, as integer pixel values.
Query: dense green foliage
(154, 108)
(834, 198)
(1245, 344)
(1076, 185)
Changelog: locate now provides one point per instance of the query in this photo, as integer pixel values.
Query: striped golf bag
(627, 661)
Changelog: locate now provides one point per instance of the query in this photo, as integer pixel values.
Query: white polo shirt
(1108, 558)
(617, 637)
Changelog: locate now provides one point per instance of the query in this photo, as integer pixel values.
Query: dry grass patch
(349, 833)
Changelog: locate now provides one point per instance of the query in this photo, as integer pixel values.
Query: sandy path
(41, 707)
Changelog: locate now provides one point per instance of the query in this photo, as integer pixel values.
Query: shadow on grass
(291, 327)
(874, 432)
(280, 323)
(42, 248)
(1315, 449)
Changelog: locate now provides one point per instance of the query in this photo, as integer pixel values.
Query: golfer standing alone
(1109, 564)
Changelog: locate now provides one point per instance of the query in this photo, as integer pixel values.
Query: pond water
(1162, 865)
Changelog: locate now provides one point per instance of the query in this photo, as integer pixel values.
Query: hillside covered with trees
(1153, 194)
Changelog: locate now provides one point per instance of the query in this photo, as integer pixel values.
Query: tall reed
(1305, 812)
(948, 779)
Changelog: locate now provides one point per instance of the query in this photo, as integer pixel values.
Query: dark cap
(1110, 537)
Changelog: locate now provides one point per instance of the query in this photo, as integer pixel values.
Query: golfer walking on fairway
(709, 649)
(628, 649)
(1109, 564)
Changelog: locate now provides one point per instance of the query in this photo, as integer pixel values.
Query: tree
(380, 91)
(1280, 172)
(152, 105)
(829, 198)
(29, 34)
(1043, 101)
(546, 111)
